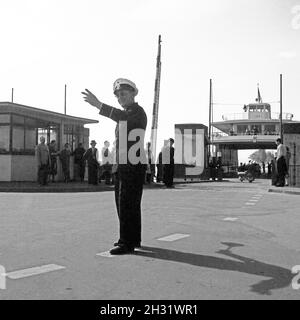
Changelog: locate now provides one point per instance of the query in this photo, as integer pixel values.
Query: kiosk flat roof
(20, 109)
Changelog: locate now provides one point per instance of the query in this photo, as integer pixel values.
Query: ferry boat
(254, 128)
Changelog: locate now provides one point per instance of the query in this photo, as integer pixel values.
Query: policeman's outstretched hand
(89, 97)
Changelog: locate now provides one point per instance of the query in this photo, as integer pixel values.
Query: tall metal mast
(280, 115)
(65, 104)
(210, 118)
(156, 100)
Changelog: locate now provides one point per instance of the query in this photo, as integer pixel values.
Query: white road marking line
(174, 237)
(106, 254)
(253, 200)
(33, 271)
(230, 219)
(249, 203)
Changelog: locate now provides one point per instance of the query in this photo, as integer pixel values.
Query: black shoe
(117, 244)
(137, 245)
(121, 249)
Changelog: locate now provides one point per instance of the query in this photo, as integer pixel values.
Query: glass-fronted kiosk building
(20, 129)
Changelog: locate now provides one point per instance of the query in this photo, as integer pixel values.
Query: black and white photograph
(149, 153)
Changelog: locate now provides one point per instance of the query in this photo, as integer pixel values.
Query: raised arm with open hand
(91, 99)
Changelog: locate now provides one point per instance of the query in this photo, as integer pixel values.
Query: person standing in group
(64, 157)
(213, 170)
(53, 160)
(106, 162)
(281, 163)
(92, 158)
(79, 162)
(43, 161)
(169, 165)
(131, 168)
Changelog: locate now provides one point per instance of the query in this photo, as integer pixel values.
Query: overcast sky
(88, 44)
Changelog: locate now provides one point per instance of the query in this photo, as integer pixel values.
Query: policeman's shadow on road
(279, 276)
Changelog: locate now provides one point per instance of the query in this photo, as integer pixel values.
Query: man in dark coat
(130, 158)
(79, 162)
(169, 167)
(92, 156)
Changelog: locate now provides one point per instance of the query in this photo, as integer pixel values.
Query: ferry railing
(220, 134)
(256, 116)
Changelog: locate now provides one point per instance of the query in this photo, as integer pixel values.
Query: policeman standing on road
(130, 173)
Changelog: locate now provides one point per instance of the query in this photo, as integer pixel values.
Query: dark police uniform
(129, 177)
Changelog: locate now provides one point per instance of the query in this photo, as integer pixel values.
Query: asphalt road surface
(217, 240)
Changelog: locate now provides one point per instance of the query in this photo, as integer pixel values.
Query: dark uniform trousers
(128, 196)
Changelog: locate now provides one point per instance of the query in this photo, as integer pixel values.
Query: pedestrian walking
(92, 158)
(64, 157)
(131, 166)
(43, 161)
(79, 162)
